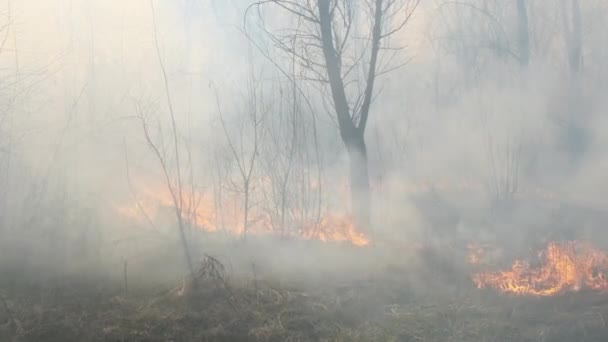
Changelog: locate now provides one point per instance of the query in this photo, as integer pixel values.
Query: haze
(141, 139)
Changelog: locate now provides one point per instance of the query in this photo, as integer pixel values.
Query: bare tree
(573, 122)
(279, 151)
(504, 165)
(223, 164)
(245, 152)
(170, 162)
(341, 49)
(174, 186)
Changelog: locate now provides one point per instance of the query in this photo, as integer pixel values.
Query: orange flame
(476, 254)
(569, 266)
(201, 211)
(337, 228)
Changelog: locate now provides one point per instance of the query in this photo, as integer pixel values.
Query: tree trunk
(352, 136)
(359, 180)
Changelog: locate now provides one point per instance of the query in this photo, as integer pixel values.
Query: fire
(337, 228)
(476, 254)
(202, 211)
(569, 266)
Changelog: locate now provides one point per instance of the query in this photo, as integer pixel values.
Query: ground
(383, 306)
(278, 290)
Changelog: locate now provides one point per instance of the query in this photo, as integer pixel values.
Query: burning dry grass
(229, 308)
(568, 266)
(201, 211)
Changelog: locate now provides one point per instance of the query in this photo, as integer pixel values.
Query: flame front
(202, 211)
(336, 228)
(569, 266)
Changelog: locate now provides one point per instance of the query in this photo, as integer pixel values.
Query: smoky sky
(456, 111)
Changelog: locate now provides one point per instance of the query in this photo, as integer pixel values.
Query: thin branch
(169, 103)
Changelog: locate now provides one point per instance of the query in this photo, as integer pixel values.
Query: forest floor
(228, 308)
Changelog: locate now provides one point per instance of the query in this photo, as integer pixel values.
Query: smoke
(464, 143)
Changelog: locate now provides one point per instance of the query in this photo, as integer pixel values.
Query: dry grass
(224, 308)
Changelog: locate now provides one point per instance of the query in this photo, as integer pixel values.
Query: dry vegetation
(301, 170)
(222, 306)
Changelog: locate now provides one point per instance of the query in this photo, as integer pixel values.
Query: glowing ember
(569, 266)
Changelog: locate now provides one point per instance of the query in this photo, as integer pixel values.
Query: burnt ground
(382, 307)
